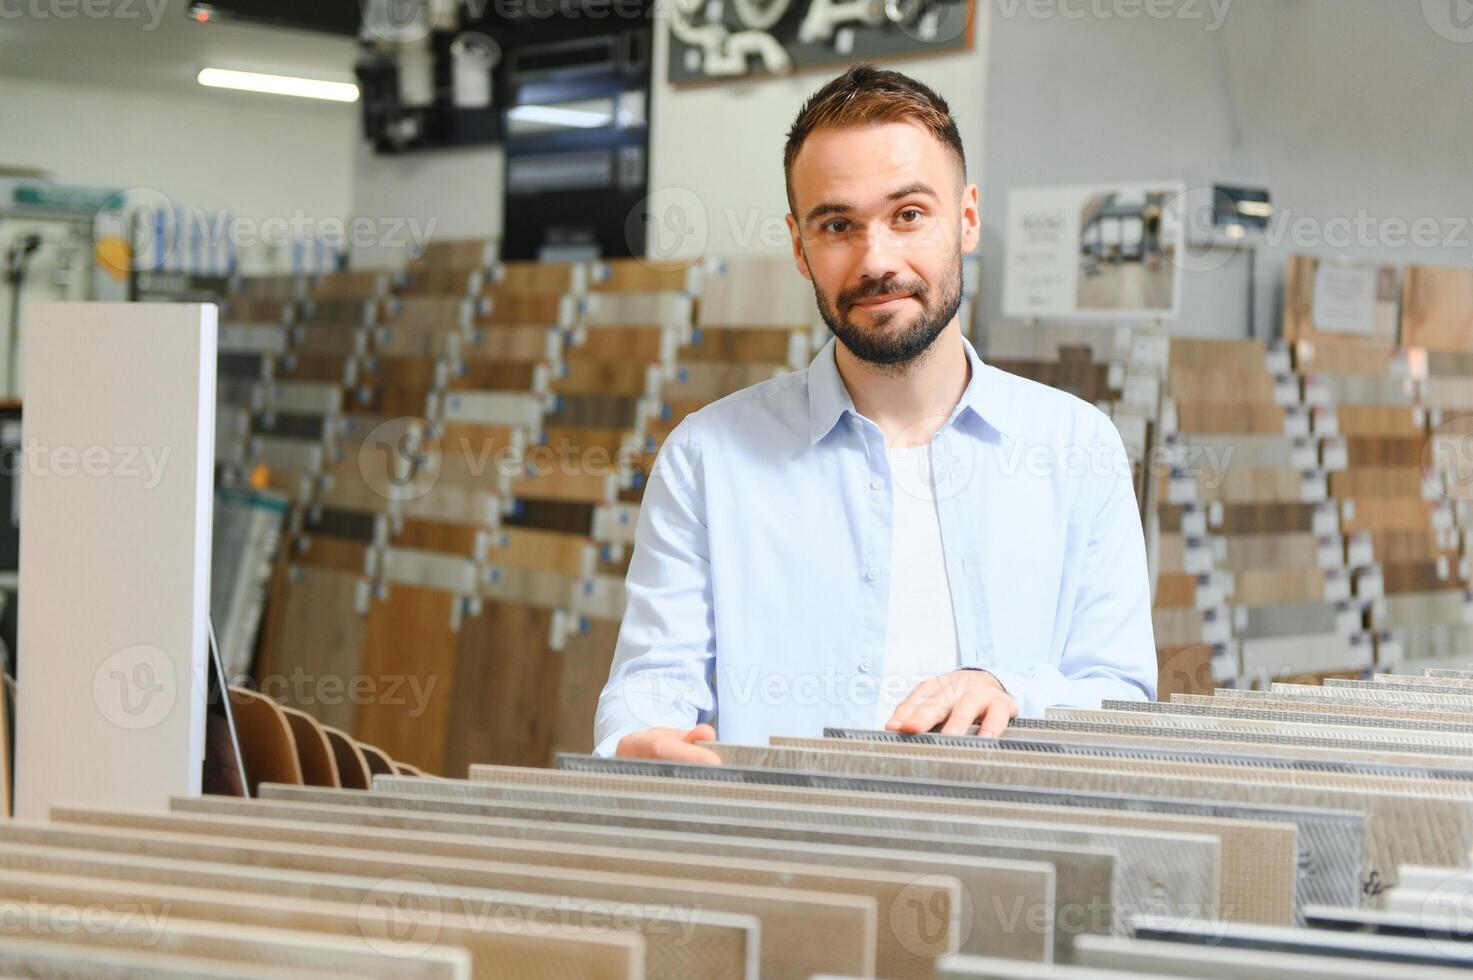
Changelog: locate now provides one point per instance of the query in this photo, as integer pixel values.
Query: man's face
(880, 226)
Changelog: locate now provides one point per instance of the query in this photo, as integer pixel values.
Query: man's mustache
(883, 288)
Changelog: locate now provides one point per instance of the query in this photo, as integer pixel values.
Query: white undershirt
(920, 636)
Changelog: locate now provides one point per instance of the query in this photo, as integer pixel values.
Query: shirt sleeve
(662, 667)
(1110, 650)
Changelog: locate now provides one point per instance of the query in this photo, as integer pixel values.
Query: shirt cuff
(1017, 686)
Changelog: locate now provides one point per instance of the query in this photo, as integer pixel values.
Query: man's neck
(910, 405)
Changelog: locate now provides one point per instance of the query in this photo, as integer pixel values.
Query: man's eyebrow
(827, 208)
(915, 187)
(835, 207)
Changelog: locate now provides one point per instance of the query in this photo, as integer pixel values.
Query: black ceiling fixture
(332, 16)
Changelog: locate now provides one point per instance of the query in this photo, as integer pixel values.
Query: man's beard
(877, 344)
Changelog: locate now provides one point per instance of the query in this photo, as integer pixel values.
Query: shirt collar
(985, 397)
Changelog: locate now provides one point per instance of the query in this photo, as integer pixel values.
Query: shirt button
(870, 575)
(877, 484)
(864, 666)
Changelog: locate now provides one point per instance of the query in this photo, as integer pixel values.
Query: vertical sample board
(116, 491)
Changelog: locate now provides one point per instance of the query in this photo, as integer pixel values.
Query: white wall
(259, 156)
(1337, 106)
(443, 193)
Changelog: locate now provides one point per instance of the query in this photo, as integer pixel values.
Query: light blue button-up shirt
(758, 591)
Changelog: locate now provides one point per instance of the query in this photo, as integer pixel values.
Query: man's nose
(879, 256)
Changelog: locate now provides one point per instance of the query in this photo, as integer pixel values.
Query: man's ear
(798, 256)
(971, 220)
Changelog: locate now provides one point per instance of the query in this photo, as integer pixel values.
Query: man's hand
(670, 745)
(961, 698)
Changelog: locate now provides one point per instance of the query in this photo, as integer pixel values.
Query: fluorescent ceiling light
(559, 116)
(306, 88)
(1255, 209)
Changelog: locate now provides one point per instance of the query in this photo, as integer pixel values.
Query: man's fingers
(927, 705)
(900, 718)
(670, 744)
(675, 750)
(701, 733)
(964, 713)
(995, 719)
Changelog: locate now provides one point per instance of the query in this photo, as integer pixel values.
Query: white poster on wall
(1345, 298)
(1107, 251)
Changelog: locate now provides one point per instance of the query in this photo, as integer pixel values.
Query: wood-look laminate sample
(409, 643)
(256, 949)
(566, 554)
(1415, 698)
(587, 656)
(1299, 314)
(1258, 855)
(22, 957)
(504, 702)
(359, 284)
(678, 944)
(1313, 942)
(504, 949)
(993, 928)
(532, 343)
(573, 482)
(639, 276)
(1234, 731)
(1304, 733)
(1290, 713)
(480, 374)
(508, 308)
(533, 277)
(1330, 841)
(1411, 811)
(326, 551)
(553, 515)
(1317, 759)
(1160, 872)
(1085, 873)
(587, 376)
(448, 537)
(442, 254)
(1399, 829)
(315, 645)
(754, 345)
(647, 345)
(789, 917)
(1437, 308)
(905, 947)
(1135, 958)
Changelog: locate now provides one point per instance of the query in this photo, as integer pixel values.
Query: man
(899, 536)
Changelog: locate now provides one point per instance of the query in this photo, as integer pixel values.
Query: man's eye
(833, 226)
(913, 211)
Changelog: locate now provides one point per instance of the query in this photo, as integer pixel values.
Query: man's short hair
(864, 96)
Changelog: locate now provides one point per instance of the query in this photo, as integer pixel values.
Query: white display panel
(1095, 251)
(116, 497)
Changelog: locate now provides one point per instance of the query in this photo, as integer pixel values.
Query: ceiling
(157, 47)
